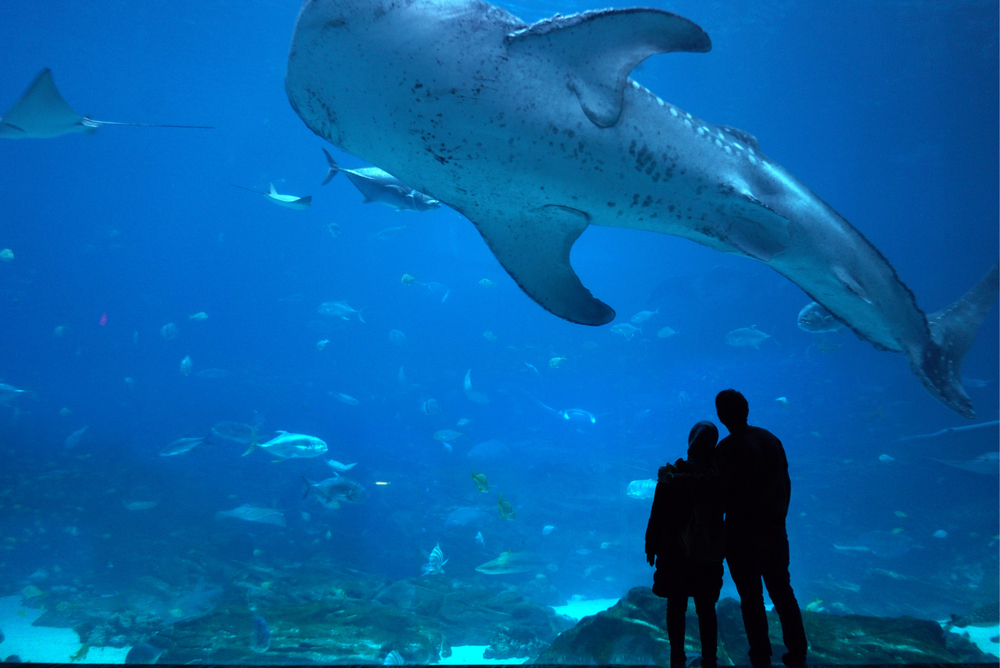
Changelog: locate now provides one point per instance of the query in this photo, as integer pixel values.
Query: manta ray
(42, 113)
(534, 132)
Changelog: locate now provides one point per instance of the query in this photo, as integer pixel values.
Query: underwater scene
(358, 331)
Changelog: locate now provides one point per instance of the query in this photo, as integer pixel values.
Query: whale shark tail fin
(939, 364)
(334, 167)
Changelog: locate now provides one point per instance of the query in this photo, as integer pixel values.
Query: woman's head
(701, 443)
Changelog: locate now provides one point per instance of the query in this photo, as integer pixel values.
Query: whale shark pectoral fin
(596, 50)
(534, 246)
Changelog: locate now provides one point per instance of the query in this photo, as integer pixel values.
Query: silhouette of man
(753, 472)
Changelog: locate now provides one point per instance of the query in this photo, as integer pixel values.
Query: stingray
(289, 201)
(42, 113)
(987, 463)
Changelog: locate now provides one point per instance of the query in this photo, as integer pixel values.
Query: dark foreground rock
(634, 632)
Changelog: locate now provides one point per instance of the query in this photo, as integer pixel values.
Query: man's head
(732, 408)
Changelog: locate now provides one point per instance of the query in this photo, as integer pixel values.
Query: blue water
(887, 110)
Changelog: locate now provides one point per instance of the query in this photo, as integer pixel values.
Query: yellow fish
(481, 482)
(506, 510)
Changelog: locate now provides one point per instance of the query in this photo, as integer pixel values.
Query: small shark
(535, 132)
(379, 186)
(42, 113)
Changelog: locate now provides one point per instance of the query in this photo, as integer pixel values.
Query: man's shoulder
(760, 432)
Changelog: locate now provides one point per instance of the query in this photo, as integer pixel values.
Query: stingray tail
(939, 364)
(334, 167)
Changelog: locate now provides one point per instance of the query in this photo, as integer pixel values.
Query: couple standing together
(746, 479)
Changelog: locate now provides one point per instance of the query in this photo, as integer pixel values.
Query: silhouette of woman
(685, 537)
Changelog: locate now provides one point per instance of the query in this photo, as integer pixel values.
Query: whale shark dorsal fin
(41, 112)
(533, 246)
(596, 50)
(741, 136)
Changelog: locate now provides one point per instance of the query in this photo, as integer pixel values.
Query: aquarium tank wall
(362, 337)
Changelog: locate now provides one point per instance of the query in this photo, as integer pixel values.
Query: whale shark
(535, 132)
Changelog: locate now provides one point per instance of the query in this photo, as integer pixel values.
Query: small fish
(899, 513)
(75, 438)
(186, 366)
(578, 415)
(447, 435)
(815, 319)
(886, 458)
(346, 399)
(506, 510)
(626, 330)
(8, 393)
(487, 283)
(287, 445)
(200, 316)
(182, 445)
(940, 533)
(490, 336)
(643, 316)
(407, 279)
(338, 467)
(397, 337)
(336, 490)
(260, 638)
(6, 255)
(435, 563)
(438, 290)
(463, 422)
(547, 530)
(389, 232)
(482, 484)
(251, 513)
(80, 654)
(234, 432)
(666, 332)
(340, 310)
(746, 336)
(140, 505)
(321, 344)
(641, 489)
(533, 368)
(782, 401)
(430, 407)
(480, 541)
(377, 185)
(169, 331)
(555, 362)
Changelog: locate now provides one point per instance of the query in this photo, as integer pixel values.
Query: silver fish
(251, 513)
(182, 445)
(380, 186)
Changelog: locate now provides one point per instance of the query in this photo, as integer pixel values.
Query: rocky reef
(634, 632)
